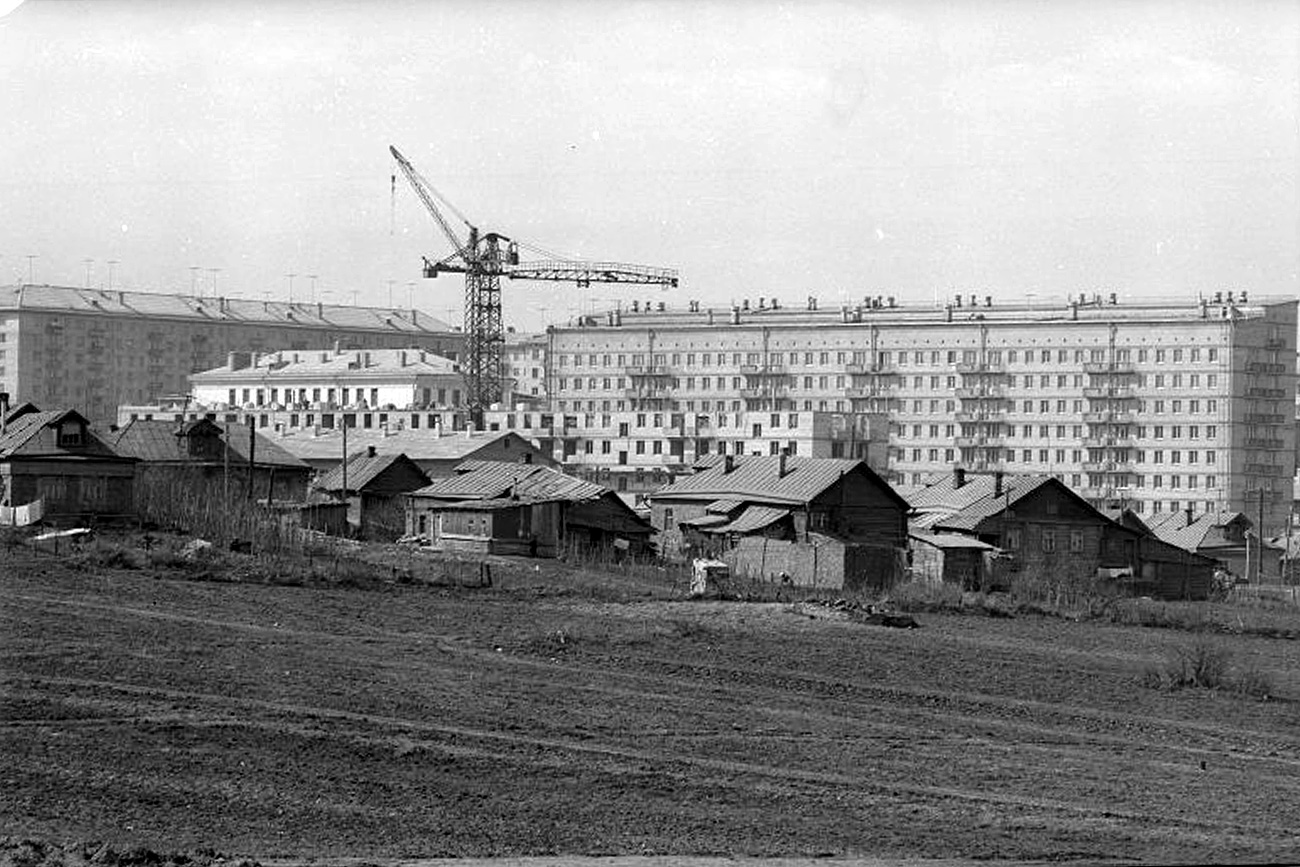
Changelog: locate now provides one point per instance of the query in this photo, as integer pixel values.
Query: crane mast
(484, 258)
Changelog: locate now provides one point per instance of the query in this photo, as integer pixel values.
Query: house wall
(497, 531)
(860, 511)
(818, 562)
(68, 489)
(963, 567)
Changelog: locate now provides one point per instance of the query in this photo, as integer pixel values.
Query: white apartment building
(1158, 406)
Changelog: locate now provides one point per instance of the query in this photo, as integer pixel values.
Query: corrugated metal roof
(485, 480)
(753, 518)
(723, 507)
(757, 479)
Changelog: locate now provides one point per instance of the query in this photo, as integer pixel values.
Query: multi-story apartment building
(96, 349)
(1157, 406)
(523, 361)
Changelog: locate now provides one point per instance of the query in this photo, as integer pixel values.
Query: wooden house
(55, 458)
(825, 522)
(215, 458)
(374, 486)
(491, 507)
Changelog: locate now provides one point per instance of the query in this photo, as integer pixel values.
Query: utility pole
(31, 270)
(291, 276)
(194, 279)
(88, 263)
(312, 277)
(213, 272)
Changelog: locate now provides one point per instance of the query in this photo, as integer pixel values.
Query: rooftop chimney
(959, 477)
(728, 463)
(997, 484)
(1188, 513)
(781, 468)
(370, 451)
(4, 410)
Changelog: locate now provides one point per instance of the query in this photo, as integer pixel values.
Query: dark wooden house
(493, 507)
(374, 487)
(56, 459)
(825, 522)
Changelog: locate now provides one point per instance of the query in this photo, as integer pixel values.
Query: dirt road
(293, 723)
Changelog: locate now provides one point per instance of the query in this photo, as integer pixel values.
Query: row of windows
(259, 397)
(1095, 355)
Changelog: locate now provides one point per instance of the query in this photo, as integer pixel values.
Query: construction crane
(484, 258)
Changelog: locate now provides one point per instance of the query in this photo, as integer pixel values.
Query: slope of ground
(287, 722)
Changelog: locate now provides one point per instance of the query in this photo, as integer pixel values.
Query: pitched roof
(1203, 531)
(115, 302)
(753, 518)
(489, 480)
(156, 440)
(951, 540)
(418, 445)
(25, 430)
(757, 479)
(943, 504)
(363, 468)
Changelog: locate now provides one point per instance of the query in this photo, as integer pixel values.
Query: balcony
(771, 390)
(1266, 393)
(1110, 417)
(1275, 343)
(1265, 443)
(1265, 418)
(1103, 466)
(982, 414)
(985, 392)
(1265, 367)
(1110, 392)
(1108, 368)
(644, 372)
(1263, 469)
(860, 369)
(1105, 442)
(975, 367)
(774, 369)
(982, 466)
(981, 441)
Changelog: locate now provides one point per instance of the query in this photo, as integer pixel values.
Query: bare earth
(297, 725)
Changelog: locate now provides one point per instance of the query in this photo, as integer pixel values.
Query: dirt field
(530, 719)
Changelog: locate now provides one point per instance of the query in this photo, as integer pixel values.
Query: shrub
(1205, 664)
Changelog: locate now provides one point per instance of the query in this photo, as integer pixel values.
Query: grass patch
(1206, 664)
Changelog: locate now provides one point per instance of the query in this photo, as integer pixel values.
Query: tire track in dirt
(657, 758)
(975, 709)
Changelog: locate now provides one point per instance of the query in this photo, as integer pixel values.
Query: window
(1076, 541)
(1049, 540)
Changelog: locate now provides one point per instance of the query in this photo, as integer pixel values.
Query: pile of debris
(844, 609)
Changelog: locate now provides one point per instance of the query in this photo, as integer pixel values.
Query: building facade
(1153, 406)
(98, 349)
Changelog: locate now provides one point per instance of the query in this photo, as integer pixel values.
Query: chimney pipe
(959, 477)
(4, 411)
(781, 467)
(997, 484)
(370, 451)
(728, 464)
(1188, 513)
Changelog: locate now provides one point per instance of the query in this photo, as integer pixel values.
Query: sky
(1019, 149)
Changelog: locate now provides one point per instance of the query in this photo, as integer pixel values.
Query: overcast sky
(787, 149)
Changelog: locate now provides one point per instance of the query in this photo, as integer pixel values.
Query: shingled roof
(22, 437)
(758, 479)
